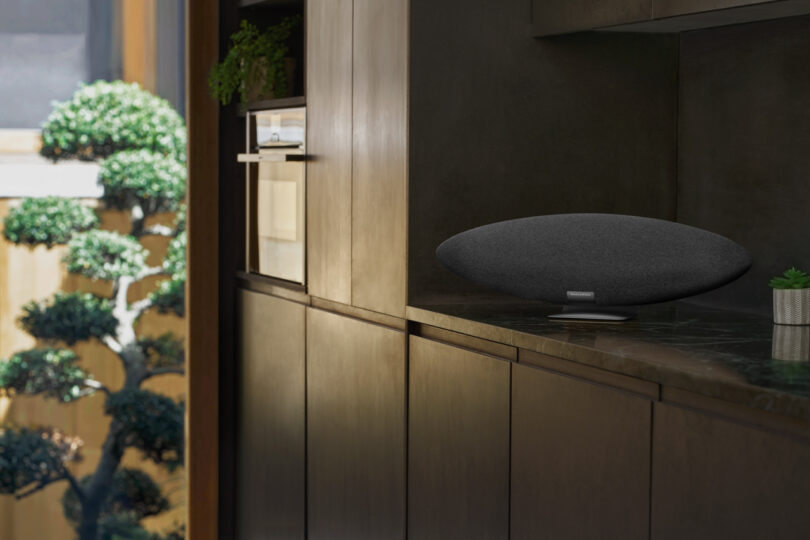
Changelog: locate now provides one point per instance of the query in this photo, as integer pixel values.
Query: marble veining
(740, 357)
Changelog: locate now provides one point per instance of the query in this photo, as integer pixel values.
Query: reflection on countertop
(738, 357)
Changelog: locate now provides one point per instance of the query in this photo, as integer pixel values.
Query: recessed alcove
(707, 128)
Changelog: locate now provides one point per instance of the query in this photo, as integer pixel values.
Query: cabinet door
(329, 141)
(713, 478)
(270, 439)
(379, 198)
(458, 444)
(355, 429)
(580, 459)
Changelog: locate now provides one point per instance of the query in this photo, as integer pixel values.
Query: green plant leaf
(69, 317)
(48, 221)
(255, 57)
(34, 457)
(792, 278)
(105, 117)
(151, 180)
(152, 423)
(166, 350)
(51, 372)
(133, 494)
(106, 255)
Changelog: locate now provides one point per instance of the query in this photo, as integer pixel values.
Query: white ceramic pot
(791, 343)
(791, 306)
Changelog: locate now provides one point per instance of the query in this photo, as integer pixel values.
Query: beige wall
(33, 274)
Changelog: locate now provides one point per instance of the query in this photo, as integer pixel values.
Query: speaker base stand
(592, 312)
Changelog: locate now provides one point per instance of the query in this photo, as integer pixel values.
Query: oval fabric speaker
(596, 259)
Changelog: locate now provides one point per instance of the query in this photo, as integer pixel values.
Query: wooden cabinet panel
(561, 16)
(713, 478)
(270, 446)
(355, 429)
(379, 189)
(329, 142)
(580, 459)
(458, 440)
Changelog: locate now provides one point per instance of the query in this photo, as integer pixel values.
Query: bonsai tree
(140, 142)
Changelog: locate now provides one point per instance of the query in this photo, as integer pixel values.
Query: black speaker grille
(621, 260)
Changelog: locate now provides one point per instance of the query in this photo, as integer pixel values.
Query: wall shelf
(280, 103)
(657, 16)
(268, 3)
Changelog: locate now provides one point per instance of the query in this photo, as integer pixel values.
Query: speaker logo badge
(580, 296)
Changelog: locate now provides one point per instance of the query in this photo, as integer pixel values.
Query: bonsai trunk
(99, 488)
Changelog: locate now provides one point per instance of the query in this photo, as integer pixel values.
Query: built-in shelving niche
(265, 13)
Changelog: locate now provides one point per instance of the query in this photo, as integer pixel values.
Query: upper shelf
(279, 103)
(268, 3)
(551, 17)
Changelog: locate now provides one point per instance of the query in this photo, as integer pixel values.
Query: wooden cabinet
(379, 155)
(357, 135)
(458, 443)
(580, 458)
(270, 435)
(714, 478)
(355, 429)
(329, 140)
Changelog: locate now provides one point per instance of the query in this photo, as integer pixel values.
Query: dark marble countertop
(738, 357)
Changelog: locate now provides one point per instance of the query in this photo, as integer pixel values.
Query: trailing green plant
(793, 278)
(254, 58)
(142, 141)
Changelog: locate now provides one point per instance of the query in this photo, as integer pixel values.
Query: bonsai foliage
(141, 141)
(152, 423)
(791, 279)
(69, 317)
(50, 372)
(105, 117)
(152, 181)
(48, 221)
(31, 459)
(255, 57)
(105, 255)
(133, 493)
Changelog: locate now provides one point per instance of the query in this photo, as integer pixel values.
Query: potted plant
(257, 65)
(791, 297)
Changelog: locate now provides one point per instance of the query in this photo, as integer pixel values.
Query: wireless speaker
(589, 261)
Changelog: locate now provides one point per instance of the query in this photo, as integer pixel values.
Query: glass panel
(277, 194)
(280, 220)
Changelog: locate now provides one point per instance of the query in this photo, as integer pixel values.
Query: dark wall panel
(503, 125)
(744, 134)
